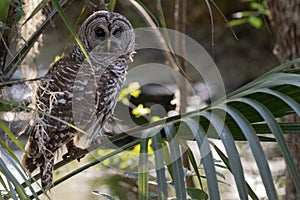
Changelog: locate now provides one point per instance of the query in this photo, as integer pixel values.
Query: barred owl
(79, 90)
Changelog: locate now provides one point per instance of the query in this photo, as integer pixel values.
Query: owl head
(106, 33)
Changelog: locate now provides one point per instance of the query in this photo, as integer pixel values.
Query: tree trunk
(285, 16)
(6, 35)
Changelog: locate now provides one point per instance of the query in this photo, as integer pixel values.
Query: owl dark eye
(100, 32)
(117, 32)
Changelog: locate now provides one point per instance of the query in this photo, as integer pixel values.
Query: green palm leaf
(207, 159)
(257, 151)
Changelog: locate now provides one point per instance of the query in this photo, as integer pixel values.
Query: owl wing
(108, 88)
(95, 94)
(55, 94)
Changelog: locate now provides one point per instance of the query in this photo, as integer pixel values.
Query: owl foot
(73, 152)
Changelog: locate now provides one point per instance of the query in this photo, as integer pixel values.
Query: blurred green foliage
(4, 7)
(254, 16)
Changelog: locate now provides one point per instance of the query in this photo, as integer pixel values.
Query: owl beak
(108, 44)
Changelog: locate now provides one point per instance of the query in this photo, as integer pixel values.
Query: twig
(180, 26)
(13, 82)
(161, 39)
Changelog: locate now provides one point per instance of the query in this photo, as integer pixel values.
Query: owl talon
(65, 156)
(73, 152)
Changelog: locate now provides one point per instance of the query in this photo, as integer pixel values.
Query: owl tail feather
(30, 163)
(46, 170)
(46, 167)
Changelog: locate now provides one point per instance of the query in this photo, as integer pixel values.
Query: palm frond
(243, 116)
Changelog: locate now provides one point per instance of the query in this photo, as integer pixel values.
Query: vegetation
(251, 114)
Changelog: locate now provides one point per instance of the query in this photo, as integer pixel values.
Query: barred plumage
(79, 93)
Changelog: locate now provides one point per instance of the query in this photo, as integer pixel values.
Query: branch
(18, 81)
